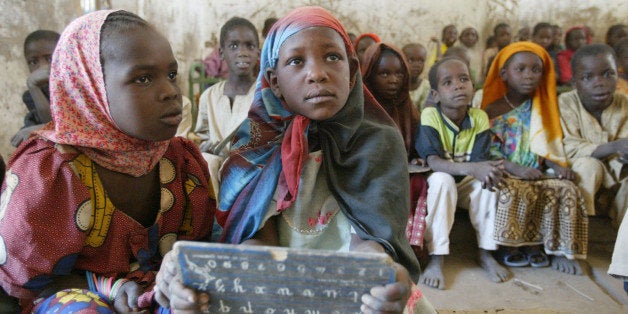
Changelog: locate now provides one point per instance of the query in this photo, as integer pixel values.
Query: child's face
(576, 39)
(469, 37)
(388, 77)
(364, 43)
(617, 35)
(416, 59)
(312, 75)
(241, 51)
(450, 35)
(141, 82)
(503, 36)
(523, 72)
(38, 53)
(543, 37)
(454, 89)
(595, 78)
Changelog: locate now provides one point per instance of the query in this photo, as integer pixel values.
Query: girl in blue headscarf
(318, 163)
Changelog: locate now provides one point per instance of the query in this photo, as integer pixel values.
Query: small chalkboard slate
(263, 279)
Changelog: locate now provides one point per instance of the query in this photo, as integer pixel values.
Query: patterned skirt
(415, 227)
(550, 212)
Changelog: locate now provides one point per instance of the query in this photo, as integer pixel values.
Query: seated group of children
(320, 161)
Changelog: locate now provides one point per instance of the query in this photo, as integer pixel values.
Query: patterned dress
(70, 224)
(546, 211)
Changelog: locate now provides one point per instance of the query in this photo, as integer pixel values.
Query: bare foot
(433, 274)
(495, 271)
(565, 265)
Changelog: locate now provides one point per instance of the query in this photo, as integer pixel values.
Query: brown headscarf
(402, 111)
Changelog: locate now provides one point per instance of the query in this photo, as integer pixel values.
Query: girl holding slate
(318, 163)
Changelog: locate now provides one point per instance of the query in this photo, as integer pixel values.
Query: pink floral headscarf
(79, 106)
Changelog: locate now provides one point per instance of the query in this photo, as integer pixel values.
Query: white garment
(186, 123)
(619, 262)
(443, 195)
(217, 118)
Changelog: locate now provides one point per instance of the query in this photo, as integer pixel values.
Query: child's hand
(171, 293)
(126, 299)
(20, 137)
(23, 134)
(417, 161)
(564, 173)
(621, 147)
(39, 77)
(391, 298)
(527, 173)
(490, 173)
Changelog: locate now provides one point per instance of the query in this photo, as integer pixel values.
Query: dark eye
(145, 79)
(446, 83)
(294, 61)
(32, 62)
(333, 57)
(251, 47)
(586, 77)
(172, 75)
(609, 73)
(233, 46)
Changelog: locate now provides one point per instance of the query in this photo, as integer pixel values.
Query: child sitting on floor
(419, 88)
(386, 75)
(536, 215)
(594, 119)
(448, 38)
(363, 42)
(102, 192)
(469, 40)
(575, 38)
(318, 164)
(38, 48)
(223, 106)
(454, 140)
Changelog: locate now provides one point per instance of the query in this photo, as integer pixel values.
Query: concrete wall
(193, 26)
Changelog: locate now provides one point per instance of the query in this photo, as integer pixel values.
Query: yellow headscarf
(546, 134)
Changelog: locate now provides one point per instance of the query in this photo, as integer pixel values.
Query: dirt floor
(532, 290)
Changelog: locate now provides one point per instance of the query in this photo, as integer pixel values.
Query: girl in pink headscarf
(97, 197)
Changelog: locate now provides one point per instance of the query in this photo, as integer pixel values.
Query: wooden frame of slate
(273, 280)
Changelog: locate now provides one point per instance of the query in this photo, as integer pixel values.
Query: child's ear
(435, 95)
(271, 77)
(502, 74)
(221, 53)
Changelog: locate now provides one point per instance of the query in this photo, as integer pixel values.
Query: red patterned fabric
(52, 225)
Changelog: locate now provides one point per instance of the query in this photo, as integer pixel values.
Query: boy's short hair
(41, 34)
(233, 23)
(540, 26)
(590, 51)
(432, 76)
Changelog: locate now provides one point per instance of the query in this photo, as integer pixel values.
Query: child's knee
(588, 168)
(441, 181)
